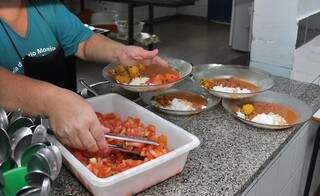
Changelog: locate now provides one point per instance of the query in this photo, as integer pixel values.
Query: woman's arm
(22, 92)
(99, 48)
(72, 119)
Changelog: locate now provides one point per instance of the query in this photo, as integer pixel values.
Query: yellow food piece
(140, 66)
(123, 79)
(247, 109)
(124, 74)
(206, 83)
(134, 71)
(119, 69)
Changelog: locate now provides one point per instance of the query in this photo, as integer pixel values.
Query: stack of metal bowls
(26, 156)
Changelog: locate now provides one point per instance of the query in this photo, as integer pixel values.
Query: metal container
(302, 109)
(139, 178)
(182, 67)
(257, 77)
(107, 87)
(186, 85)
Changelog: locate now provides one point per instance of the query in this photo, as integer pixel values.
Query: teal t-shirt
(43, 36)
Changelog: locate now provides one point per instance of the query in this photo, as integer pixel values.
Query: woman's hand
(131, 55)
(75, 123)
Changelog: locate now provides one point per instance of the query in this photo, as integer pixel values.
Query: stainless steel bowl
(186, 85)
(257, 77)
(182, 67)
(302, 109)
(108, 87)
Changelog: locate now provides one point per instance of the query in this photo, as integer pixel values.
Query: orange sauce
(264, 107)
(232, 82)
(197, 101)
(153, 70)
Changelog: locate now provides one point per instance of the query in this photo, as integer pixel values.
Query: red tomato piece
(169, 77)
(107, 164)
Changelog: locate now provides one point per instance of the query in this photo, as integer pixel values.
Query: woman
(36, 39)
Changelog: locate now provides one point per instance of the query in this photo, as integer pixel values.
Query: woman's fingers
(159, 61)
(133, 55)
(97, 131)
(88, 141)
(149, 54)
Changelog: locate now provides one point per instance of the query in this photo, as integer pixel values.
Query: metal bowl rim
(186, 112)
(235, 67)
(225, 104)
(190, 70)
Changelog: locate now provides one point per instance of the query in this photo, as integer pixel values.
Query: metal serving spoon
(39, 134)
(21, 146)
(31, 192)
(18, 135)
(24, 190)
(38, 163)
(49, 156)
(58, 157)
(15, 115)
(3, 119)
(87, 86)
(5, 148)
(28, 152)
(35, 178)
(46, 187)
(19, 123)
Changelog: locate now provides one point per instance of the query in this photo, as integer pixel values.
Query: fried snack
(123, 79)
(124, 75)
(208, 84)
(247, 109)
(134, 71)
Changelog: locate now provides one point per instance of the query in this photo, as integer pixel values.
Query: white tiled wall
(306, 66)
(199, 9)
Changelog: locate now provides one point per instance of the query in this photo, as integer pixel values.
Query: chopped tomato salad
(105, 164)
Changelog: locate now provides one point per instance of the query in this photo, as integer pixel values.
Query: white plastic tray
(139, 178)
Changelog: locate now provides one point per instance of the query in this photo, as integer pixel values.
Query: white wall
(307, 8)
(275, 26)
(306, 66)
(199, 9)
(274, 35)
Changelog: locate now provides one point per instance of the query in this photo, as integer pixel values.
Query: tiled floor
(193, 39)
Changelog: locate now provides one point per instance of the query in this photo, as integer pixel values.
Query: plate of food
(269, 110)
(232, 81)
(185, 98)
(141, 78)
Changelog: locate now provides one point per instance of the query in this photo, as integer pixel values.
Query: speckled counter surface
(231, 154)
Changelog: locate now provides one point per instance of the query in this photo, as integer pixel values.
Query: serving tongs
(128, 139)
(141, 140)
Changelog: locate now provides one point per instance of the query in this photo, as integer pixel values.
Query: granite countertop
(231, 154)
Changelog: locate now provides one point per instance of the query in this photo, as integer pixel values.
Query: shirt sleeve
(69, 29)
